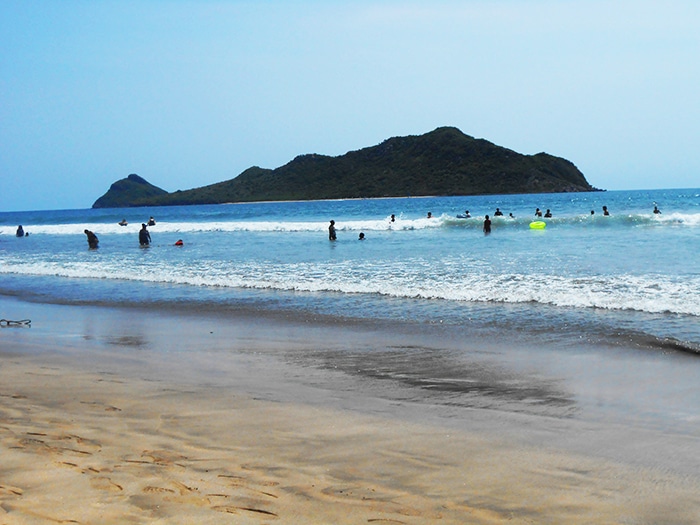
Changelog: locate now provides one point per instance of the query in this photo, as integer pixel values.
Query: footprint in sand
(60, 444)
(232, 509)
(12, 491)
(163, 457)
(157, 490)
(240, 482)
(86, 470)
(104, 483)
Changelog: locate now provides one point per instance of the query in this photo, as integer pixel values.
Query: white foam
(690, 220)
(228, 226)
(650, 293)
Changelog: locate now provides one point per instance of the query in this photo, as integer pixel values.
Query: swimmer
(657, 211)
(393, 218)
(430, 215)
(179, 242)
(123, 222)
(361, 237)
(151, 222)
(511, 215)
(331, 231)
(605, 211)
(538, 213)
(548, 214)
(498, 212)
(20, 231)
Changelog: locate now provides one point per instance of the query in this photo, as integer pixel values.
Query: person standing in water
(487, 225)
(144, 236)
(331, 231)
(92, 240)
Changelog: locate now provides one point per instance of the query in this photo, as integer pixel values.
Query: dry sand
(84, 439)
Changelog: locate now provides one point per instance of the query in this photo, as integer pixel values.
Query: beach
(112, 415)
(333, 263)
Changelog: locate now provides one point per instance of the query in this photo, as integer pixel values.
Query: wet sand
(110, 417)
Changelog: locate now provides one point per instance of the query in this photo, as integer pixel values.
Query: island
(443, 162)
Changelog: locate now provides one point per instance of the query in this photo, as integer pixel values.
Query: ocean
(630, 278)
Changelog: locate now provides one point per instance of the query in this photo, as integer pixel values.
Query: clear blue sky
(192, 92)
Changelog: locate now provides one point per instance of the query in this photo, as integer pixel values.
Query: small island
(443, 162)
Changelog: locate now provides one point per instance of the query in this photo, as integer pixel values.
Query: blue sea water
(631, 278)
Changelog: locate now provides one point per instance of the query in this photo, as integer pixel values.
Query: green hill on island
(444, 162)
(125, 192)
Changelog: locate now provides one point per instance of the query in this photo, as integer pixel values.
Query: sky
(187, 93)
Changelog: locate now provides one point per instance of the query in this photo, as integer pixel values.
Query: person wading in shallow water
(92, 239)
(331, 231)
(144, 236)
(487, 225)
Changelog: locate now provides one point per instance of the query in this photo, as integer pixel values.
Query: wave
(383, 224)
(671, 343)
(655, 294)
(226, 226)
(621, 220)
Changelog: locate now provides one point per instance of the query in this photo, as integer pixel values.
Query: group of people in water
(145, 235)
(487, 219)
(151, 222)
(332, 235)
(94, 242)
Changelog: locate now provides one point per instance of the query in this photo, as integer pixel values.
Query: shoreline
(109, 414)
